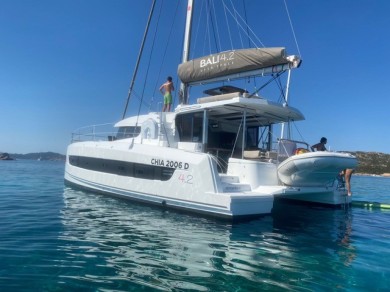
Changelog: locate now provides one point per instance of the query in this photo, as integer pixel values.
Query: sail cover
(232, 62)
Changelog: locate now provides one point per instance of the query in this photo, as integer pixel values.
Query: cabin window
(219, 136)
(128, 132)
(190, 127)
(252, 137)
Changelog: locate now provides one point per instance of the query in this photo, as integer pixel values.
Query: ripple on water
(60, 239)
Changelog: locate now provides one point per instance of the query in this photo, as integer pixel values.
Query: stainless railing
(100, 132)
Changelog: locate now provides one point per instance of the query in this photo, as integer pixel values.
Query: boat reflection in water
(114, 244)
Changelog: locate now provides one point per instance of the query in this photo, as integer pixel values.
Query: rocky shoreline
(36, 156)
(5, 156)
(372, 163)
(371, 174)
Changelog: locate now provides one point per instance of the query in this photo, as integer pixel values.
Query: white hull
(182, 176)
(331, 195)
(196, 186)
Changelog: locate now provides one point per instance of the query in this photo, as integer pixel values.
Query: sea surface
(54, 238)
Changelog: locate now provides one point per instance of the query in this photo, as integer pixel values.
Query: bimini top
(236, 64)
(230, 107)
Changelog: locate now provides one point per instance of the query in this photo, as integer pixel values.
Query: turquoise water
(54, 238)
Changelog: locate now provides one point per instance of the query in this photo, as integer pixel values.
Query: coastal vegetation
(40, 156)
(372, 163)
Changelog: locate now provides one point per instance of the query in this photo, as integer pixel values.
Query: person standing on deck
(166, 90)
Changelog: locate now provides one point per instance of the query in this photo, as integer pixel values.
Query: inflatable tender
(314, 169)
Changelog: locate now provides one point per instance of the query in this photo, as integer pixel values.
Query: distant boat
(218, 156)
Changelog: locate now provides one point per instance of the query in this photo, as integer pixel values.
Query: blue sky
(65, 64)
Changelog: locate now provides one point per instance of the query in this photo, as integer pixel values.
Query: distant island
(39, 156)
(372, 163)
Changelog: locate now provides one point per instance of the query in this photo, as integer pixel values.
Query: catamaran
(217, 156)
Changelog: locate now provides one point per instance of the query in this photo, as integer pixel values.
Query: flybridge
(236, 64)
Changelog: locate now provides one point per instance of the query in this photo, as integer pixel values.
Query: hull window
(130, 169)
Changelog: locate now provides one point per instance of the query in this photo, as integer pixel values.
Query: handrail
(295, 141)
(96, 132)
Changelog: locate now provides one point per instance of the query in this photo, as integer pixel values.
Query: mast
(186, 48)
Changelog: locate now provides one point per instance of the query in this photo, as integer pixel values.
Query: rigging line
(257, 38)
(282, 93)
(213, 28)
(238, 132)
(204, 42)
(292, 28)
(206, 33)
(238, 27)
(219, 47)
(268, 82)
(164, 54)
(208, 13)
(300, 135)
(138, 59)
(150, 60)
(264, 139)
(227, 24)
(139, 96)
(260, 139)
(246, 22)
(197, 32)
(249, 40)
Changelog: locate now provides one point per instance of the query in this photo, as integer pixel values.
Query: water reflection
(317, 230)
(119, 245)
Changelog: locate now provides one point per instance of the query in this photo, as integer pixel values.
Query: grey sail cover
(231, 62)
